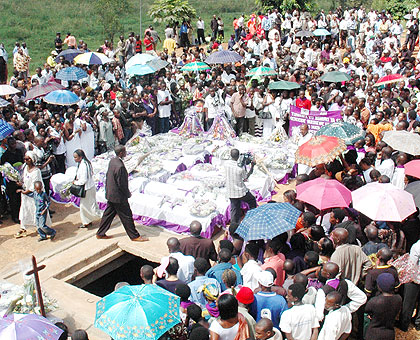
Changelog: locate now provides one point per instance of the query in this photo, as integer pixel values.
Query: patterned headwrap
(210, 291)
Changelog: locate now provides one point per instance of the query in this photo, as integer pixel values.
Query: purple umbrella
(68, 54)
(28, 327)
(223, 57)
(43, 89)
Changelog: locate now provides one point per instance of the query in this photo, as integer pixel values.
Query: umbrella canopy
(137, 312)
(414, 189)
(383, 202)
(412, 168)
(319, 150)
(92, 58)
(6, 90)
(403, 141)
(319, 32)
(42, 90)
(223, 57)
(61, 97)
(28, 327)
(261, 71)
(157, 63)
(5, 129)
(284, 85)
(196, 66)
(71, 73)
(4, 103)
(350, 133)
(389, 79)
(324, 193)
(304, 34)
(139, 59)
(267, 221)
(335, 77)
(68, 54)
(140, 70)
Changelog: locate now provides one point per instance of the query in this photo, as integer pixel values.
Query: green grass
(37, 21)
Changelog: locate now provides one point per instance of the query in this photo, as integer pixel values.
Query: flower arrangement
(10, 173)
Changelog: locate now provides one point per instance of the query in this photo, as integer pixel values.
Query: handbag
(266, 115)
(78, 190)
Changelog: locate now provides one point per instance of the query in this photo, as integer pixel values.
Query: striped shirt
(235, 176)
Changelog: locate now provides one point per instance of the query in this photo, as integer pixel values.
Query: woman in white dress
(89, 210)
(27, 212)
(72, 132)
(268, 114)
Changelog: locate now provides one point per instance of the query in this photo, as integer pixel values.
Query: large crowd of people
(318, 281)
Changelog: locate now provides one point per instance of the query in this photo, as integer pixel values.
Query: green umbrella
(261, 71)
(335, 77)
(284, 85)
(196, 66)
(348, 132)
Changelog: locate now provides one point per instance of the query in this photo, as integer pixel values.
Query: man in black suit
(117, 194)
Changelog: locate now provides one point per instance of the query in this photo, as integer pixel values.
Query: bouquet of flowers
(202, 208)
(65, 190)
(10, 173)
(221, 129)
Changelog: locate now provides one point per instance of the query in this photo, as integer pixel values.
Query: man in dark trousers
(117, 194)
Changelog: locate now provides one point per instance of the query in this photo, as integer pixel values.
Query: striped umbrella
(61, 97)
(196, 66)
(6, 90)
(350, 133)
(92, 58)
(223, 57)
(68, 54)
(261, 71)
(71, 73)
(5, 129)
(319, 150)
(42, 90)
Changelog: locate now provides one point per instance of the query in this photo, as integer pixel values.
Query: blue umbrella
(68, 54)
(319, 32)
(223, 57)
(140, 70)
(350, 133)
(71, 73)
(5, 129)
(268, 221)
(61, 97)
(139, 59)
(137, 312)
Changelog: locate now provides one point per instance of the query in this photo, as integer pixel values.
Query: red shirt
(276, 262)
(138, 46)
(303, 103)
(148, 41)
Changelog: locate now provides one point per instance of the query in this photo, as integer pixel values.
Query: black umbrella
(68, 54)
(414, 189)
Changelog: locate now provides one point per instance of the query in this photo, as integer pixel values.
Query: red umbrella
(319, 150)
(413, 168)
(43, 89)
(389, 79)
(324, 193)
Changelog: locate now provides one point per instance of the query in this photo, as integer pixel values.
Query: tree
(171, 11)
(286, 5)
(110, 13)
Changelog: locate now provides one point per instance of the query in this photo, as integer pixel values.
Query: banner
(314, 119)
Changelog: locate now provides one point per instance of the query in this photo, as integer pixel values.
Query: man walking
(200, 31)
(117, 194)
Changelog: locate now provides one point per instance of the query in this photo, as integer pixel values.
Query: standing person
(70, 41)
(120, 53)
(200, 31)
(164, 107)
(183, 31)
(89, 209)
(214, 26)
(212, 104)
(238, 104)
(117, 195)
(58, 43)
(235, 186)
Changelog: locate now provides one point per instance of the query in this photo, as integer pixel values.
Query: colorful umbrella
(324, 193)
(412, 168)
(6, 90)
(71, 74)
(389, 79)
(335, 77)
(68, 54)
(403, 141)
(5, 129)
(28, 327)
(42, 90)
(261, 71)
(4, 103)
(350, 133)
(61, 97)
(319, 32)
(223, 57)
(319, 150)
(383, 202)
(196, 66)
(284, 85)
(414, 189)
(139, 59)
(137, 312)
(92, 58)
(267, 221)
(304, 34)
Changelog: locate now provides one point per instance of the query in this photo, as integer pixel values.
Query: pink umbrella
(413, 168)
(324, 193)
(383, 202)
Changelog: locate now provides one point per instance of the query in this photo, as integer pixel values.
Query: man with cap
(245, 298)
(264, 330)
(267, 303)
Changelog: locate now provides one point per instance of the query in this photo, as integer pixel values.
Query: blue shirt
(268, 305)
(183, 29)
(216, 272)
(196, 297)
(42, 201)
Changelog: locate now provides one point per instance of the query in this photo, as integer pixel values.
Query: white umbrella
(139, 59)
(403, 141)
(7, 90)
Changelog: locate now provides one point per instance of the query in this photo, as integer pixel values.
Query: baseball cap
(265, 279)
(245, 296)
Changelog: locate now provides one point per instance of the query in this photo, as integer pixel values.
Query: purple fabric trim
(181, 167)
(288, 176)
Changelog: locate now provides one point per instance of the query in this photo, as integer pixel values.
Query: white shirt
(336, 323)
(299, 321)
(200, 24)
(84, 175)
(398, 178)
(186, 266)
(213, 105)
(224, 333)
(249, 272)
(164, 110)
(415, 252)
(386, 168)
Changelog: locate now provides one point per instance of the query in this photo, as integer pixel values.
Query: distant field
(37, 21)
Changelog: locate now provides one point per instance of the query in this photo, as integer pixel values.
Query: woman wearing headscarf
(31, 174)
(89, 210)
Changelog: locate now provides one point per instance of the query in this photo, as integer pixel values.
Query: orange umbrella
(319, 150)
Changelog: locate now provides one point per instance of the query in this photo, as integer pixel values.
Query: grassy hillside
(36, 22)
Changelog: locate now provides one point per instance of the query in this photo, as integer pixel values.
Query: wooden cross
(34, 271)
